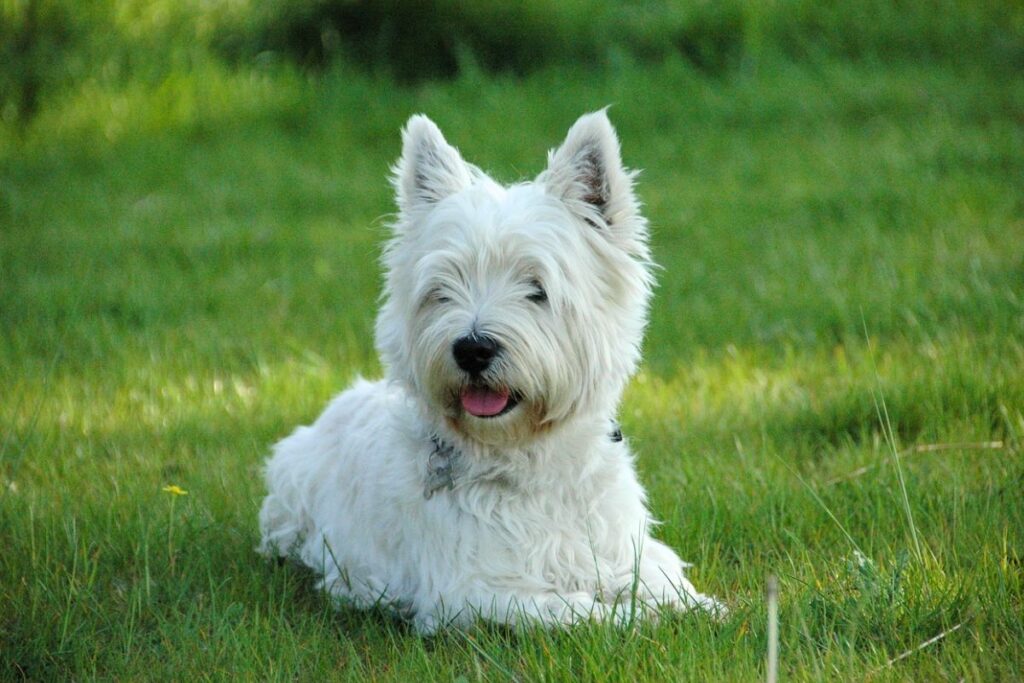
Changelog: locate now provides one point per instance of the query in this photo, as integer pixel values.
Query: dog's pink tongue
(484, 402)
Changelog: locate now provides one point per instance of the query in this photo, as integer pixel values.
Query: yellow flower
(176, 490)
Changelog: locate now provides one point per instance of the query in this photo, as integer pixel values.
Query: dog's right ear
(430, 169)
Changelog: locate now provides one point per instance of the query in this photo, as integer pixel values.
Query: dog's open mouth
(483, 401)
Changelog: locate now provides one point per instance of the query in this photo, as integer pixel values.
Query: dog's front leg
(545, 609)
(661, 582)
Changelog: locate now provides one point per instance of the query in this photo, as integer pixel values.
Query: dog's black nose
(474, 354)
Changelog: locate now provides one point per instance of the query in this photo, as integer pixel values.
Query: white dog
(485, 477)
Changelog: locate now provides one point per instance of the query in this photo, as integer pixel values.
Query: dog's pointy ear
(430, 169)
(586, 172)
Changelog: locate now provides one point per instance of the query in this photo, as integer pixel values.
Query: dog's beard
(493, 408)
(489, 409)
(484, 401)
(518, 423)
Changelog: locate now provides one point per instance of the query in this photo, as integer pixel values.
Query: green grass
(187, 271)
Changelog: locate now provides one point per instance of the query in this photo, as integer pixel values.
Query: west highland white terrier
(485, 477)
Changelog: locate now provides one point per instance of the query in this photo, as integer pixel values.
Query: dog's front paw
(713, 606)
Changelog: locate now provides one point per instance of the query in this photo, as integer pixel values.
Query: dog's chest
(560, 533)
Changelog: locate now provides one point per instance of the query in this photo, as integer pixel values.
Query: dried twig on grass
(921, 448)
(773, 629)
(930, 641)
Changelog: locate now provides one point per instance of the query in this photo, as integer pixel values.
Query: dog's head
(510, 310)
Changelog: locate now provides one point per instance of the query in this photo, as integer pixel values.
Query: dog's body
(485, 477)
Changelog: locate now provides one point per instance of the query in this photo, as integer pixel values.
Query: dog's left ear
(430, 169)
(586, 172)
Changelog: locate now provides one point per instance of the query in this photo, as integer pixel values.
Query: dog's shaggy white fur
(485, 476)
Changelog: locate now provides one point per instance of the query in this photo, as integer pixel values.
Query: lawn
(833, 390)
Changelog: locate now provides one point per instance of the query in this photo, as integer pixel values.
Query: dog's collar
(442, 460)
(440, 468)
(616, 434)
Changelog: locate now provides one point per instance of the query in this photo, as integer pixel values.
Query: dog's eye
(538, 295)
(436, 296)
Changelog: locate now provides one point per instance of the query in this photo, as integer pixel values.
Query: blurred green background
(52, 49)
(192, 200)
